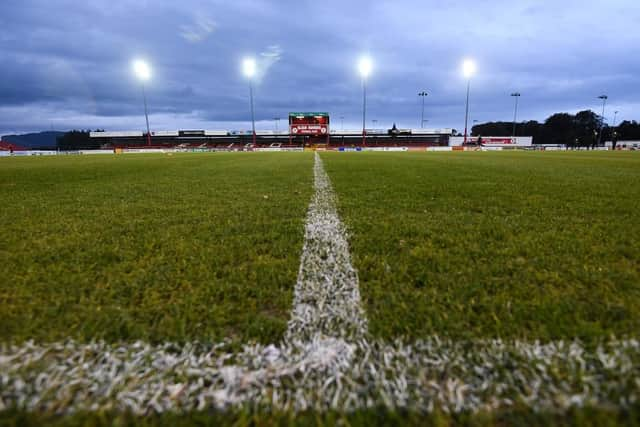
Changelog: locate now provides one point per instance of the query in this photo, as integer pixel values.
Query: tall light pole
(374, 122)
(277, 120)
(604, 101)
(249, 70)
(341, 122)
(364, 67)
(468, 69)
(143, 72)
(423, 95)
(614, 134)
(516, 95)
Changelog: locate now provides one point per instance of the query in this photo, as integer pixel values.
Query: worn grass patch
(153, 247)
(512, 245)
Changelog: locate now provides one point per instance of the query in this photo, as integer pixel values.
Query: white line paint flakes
(326, 361)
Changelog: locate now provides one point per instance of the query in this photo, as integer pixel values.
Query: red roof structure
(8, 146)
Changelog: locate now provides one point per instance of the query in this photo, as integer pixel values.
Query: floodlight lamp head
(142, 70)
(468, 68)
(249, 67)
(365, 66)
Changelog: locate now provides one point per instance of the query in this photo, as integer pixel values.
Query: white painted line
(321, 374)
(327, 298)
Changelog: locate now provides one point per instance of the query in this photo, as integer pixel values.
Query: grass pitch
(205, 247)
(154, 247)
(484, 245)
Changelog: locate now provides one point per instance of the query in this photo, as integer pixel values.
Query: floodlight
(249, 67)
(468, 68)
(142, 69)
(365, 66)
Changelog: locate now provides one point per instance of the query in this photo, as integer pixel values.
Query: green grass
(584, 417)
(206, 247)
(482, 245)
(153, 247)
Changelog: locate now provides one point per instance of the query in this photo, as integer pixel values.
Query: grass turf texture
(153, 247)
(584, 417)
(483, 245)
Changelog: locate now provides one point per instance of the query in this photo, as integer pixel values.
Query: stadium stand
(8, 146)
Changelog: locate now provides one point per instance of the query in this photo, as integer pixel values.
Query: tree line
(579, 130)
(78, 140)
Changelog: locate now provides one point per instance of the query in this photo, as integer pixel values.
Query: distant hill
(34, 140)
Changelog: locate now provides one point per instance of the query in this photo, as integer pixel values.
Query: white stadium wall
(346, 132)
(623, 144)
(165, 133)
(121, 134)
(445, 131)
(494, 141)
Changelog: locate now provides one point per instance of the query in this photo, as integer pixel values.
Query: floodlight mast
(516, 95)
(143, 72)
(468, 69)
(614, 134)
(423, 95)
(364, 67)
(249, 70)
(604, 101)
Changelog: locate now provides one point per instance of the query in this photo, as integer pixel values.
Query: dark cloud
(68, 64)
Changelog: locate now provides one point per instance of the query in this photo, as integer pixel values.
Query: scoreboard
(309, 124)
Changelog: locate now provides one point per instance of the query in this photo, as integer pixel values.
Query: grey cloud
(199, 30)
(70, 62)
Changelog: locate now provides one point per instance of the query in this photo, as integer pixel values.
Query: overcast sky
(66, 64)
